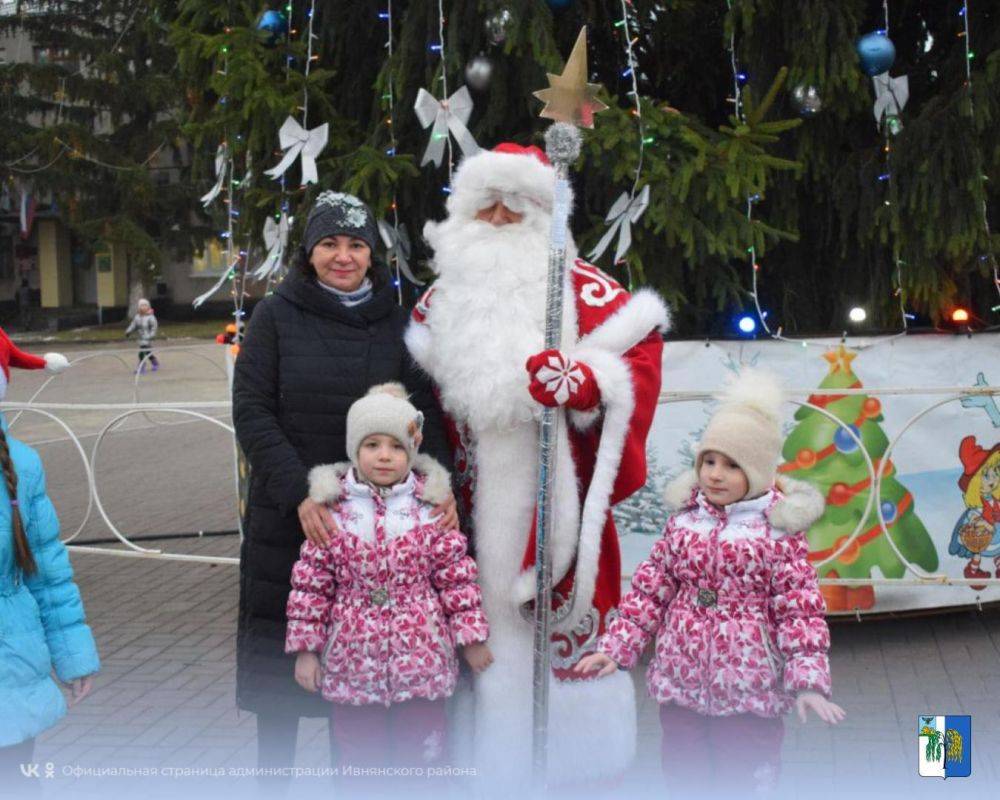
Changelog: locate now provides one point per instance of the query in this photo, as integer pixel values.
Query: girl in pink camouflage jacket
(734, 603)
(376, 616)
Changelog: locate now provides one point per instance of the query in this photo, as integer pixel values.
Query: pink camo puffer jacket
(386, 604)
(734, 603)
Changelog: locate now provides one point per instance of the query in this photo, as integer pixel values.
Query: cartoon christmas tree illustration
(822, 453)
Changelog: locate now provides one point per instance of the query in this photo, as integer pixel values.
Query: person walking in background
(144, 322)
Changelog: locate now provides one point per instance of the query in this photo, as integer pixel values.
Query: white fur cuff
(630, 324)
(56, 362)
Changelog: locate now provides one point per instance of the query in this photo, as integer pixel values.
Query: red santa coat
(617, 334)
(608, 450)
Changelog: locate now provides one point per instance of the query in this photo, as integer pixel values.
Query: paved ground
(166, 629)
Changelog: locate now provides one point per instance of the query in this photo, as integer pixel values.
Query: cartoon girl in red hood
(977, 534)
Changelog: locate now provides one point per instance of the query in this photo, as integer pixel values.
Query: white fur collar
(327, 481)
(799, 506)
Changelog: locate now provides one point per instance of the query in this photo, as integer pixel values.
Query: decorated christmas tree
(878, 164)
(823, 453)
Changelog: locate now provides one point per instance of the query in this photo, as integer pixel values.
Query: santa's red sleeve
(18, 358)
(644, 363)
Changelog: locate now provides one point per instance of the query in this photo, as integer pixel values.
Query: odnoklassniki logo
(944, 746)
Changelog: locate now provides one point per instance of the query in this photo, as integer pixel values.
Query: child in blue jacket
(41, 615)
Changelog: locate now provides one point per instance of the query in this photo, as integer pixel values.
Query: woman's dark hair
(300, 261)
(22, 552)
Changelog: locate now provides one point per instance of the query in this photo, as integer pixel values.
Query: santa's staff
(571, 102)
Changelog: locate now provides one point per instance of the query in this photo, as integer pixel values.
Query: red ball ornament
(806, 458)
(872, 407)
(839, 494)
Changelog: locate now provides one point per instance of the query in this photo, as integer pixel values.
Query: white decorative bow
(891, 95)
(221, 154)
(562, 377)
(397, 242)
(275, 240)
(225, 276)
(445, 115)
(294, 140)
(623, 214)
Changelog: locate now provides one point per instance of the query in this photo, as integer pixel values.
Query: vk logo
(33, 770)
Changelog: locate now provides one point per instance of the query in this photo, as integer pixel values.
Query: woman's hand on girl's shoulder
(446, 514)
(317, 522)
(79, 689)
(826, 710)
(308, 671)
(596, 661)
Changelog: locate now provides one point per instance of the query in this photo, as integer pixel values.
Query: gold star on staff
(840, 359)
(569, 97)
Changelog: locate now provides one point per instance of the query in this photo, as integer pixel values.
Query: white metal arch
(79, 448)
(93, 464)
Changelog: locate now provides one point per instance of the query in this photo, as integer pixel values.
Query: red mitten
(559, 381)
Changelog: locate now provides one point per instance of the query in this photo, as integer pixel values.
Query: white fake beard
(487, 317)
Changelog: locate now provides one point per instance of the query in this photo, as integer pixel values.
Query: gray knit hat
(339, 214)
(747, 427)
(384, 409)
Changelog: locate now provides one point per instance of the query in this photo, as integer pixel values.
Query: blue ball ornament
(888, 511)
(842, 439)
(274, 24)
(877, 52)
(559, 3)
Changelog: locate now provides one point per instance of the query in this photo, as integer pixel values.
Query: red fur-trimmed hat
(519, 176)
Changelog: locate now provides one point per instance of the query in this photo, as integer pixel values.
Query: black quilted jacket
(305, 359)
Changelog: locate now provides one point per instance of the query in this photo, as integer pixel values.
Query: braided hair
(22, 552)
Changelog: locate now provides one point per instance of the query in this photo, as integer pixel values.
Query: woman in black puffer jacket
(331, 330)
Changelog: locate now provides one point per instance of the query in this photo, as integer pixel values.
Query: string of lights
(440, 48)
(886, 177)
(390, 100)
(748, 324)
(990, 256)
(631, 71)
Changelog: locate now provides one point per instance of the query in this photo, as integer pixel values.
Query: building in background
(72, 283)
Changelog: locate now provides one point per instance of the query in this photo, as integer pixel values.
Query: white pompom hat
(385, 409)
(746, 427)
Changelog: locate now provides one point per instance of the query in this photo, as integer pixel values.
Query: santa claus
(475, 333)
